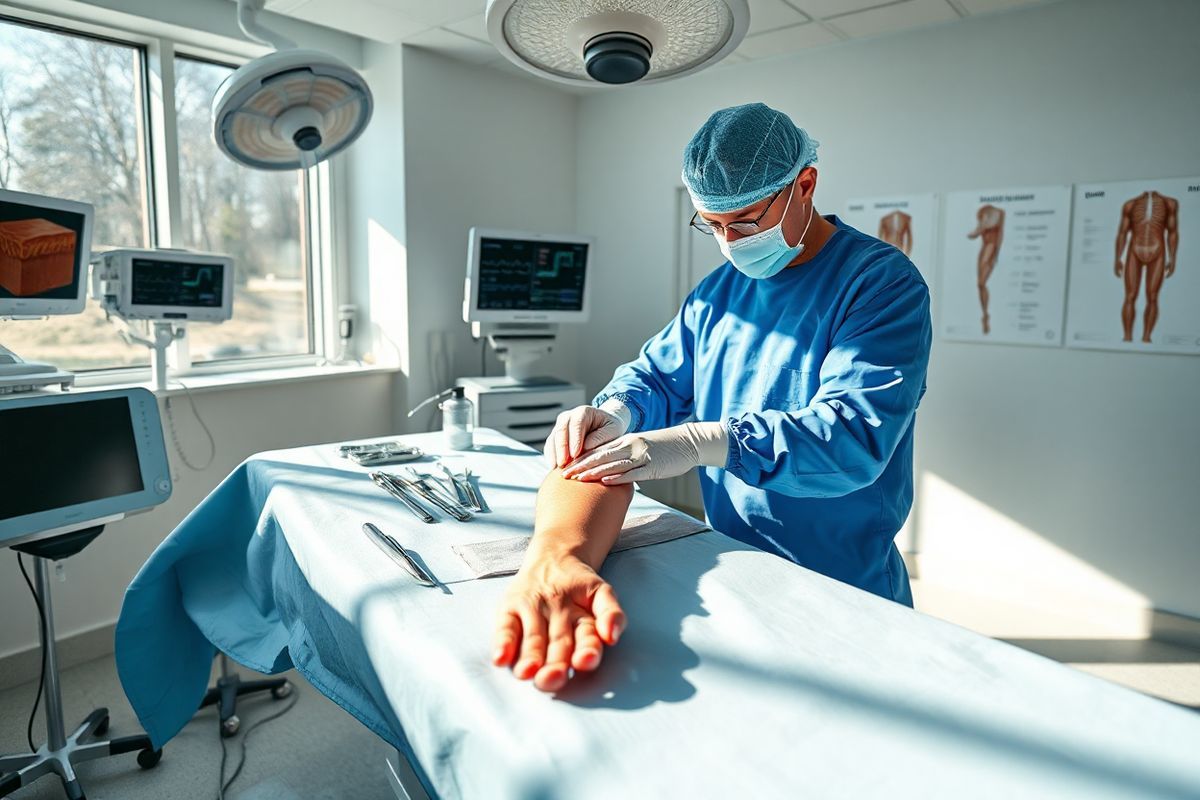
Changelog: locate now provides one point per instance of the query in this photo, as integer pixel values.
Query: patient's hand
(558, 613)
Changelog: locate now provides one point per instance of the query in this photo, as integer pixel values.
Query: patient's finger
(506, 639)
(610, 618)
(533, 643)
(553, 675)
(588, 646)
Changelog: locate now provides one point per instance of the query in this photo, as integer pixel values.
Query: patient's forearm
(578, 519)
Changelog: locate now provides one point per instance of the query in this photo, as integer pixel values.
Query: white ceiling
(777, 27)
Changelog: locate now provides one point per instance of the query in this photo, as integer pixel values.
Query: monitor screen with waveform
(170, 283)
(526, 275)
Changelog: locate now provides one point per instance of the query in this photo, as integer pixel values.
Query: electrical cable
(212, 443)
(223, 784)
(42, 672)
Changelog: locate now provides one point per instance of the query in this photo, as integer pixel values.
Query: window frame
(160, 45)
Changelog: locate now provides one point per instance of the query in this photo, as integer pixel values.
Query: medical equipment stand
(230, 687)
(60, 752)
(165, 334)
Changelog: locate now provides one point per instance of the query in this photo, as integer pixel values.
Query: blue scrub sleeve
(871, 381)
(657, 386)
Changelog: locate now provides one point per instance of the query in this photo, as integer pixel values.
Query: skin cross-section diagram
(990, 229)
(1146, 243)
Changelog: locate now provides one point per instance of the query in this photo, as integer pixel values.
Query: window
(71, 125)
(256, 217)
(75, 123)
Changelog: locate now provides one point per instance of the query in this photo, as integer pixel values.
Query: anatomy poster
(1135, 273)
(907, 221)
(1004, 265)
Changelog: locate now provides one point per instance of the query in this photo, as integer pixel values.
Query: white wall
(243, 422)
(1070, 473)
(455, 146)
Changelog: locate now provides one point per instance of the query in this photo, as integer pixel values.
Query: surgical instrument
(431, 493)
(476, 497)
(398, 554)
(455, 486)
(377, 453)
(400, 492)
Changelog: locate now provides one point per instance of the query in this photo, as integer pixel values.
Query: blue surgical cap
(742, 155)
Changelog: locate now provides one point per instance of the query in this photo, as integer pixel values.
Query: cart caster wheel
(230, 727)
(281, 692)
(102, 728)
(148, 759)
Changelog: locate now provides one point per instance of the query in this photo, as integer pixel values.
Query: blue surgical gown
(817, 373)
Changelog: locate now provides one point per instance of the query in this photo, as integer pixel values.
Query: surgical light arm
(248, 22)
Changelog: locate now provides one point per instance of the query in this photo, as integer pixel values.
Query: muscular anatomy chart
(907, 222)
(990, 232)
(895, 228)
(1004, 265)
(1143, 298)
(1146, 244)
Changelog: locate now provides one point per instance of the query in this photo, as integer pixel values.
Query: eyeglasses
(748, 228)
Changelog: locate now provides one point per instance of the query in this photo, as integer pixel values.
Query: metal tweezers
(462, 489)
(433, 494)
(400, 492)
(469, 485)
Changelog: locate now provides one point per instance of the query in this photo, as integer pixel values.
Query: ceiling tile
(448, 43)
(785, 40)
(434, 12)
(819, 9)
(475, 27)
(767, 15)
(909, 14)
(988, 6)
(360, 17)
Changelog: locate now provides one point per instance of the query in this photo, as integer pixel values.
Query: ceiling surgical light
(585, 42)
(290, 109)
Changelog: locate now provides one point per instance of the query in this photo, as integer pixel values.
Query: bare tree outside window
(71, 121)
(73, 125)
(256, 217)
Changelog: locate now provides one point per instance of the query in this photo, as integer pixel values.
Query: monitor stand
(18, 375)
(520, 345)
(62, 752)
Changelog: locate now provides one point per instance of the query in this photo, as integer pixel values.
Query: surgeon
(790, 377)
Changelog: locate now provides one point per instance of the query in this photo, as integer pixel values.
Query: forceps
(433, 494)
(398, 491)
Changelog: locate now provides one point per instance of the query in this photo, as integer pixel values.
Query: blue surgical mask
(766, 253)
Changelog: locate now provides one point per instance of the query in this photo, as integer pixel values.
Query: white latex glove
(583, 428)
(654, 454)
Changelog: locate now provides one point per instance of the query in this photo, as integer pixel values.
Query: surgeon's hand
(584, 428)
(654, 454)
(557, 614)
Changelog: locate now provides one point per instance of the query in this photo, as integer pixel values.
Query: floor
(1167, 671)
(318, 752)
(315, 751)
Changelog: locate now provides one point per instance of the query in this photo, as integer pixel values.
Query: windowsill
(200, 382)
